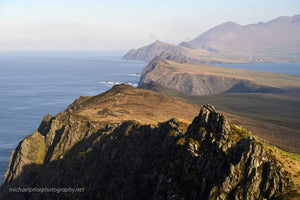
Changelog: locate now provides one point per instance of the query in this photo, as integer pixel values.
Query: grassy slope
(124, 102)
(284, 112)
(275, 119)
(284, 81)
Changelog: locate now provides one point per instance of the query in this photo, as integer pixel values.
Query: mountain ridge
(278, 35)
(147, 53)
(277, 40)
(185, 50)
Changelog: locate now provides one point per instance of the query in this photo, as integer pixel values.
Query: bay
(288, 68)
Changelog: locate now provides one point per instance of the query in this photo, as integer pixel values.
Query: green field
(264, 107)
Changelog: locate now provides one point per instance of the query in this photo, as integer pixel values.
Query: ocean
(33, 84)
(288, 68)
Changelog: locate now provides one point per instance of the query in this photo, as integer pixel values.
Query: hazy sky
(116, 24)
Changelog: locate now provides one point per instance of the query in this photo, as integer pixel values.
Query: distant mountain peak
(157, 42)
(275, 41)
(229, 23)
(259, 39)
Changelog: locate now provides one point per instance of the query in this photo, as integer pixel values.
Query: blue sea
(33, 84)
(288, 68)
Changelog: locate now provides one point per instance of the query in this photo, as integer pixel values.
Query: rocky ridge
(211, 158)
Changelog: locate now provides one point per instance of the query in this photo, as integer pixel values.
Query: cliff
(208, 158)
(199, 79)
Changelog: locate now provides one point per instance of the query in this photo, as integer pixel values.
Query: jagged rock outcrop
(210, 158)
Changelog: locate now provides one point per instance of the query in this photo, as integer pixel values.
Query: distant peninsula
(200, 79)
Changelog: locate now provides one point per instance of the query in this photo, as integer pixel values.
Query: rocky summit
(206, 158)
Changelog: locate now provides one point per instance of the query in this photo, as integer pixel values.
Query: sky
(123, 25)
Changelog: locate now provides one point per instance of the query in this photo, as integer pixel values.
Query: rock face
(210, 158)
